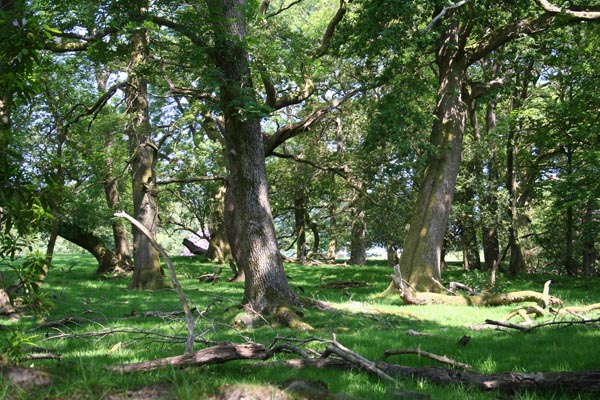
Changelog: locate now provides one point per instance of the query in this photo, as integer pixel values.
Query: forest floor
(97, 323)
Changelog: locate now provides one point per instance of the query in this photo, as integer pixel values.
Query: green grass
(367, 324)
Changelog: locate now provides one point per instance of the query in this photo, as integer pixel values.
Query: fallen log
(510, 382)
(482, 300)
(409, 296)
(213, 355)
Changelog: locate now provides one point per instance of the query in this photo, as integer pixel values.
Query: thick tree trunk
(107, 262)
(358, 239)
(256, 253)
(219, 249)
(421, 258)
(148, 273)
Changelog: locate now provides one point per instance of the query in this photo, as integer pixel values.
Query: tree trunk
(257, 253)
(569, 250)
(111, 188)
(299, 213)
(589, 248)
(490, 242)
(107, 262)
(219, 249)
(119, 229)
(332, 245)
(421, 258)
(358, 240)
(516, 263)
(148, 273)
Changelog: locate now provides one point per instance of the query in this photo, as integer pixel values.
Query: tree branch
(591, 14)
(289, 131)
(189, 346)
(192, 180)
(443, 12)
(328, 35)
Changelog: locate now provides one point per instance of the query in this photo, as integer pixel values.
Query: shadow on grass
(366, 326)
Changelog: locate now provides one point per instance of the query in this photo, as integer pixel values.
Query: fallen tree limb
(435, 357)
(550, 323)
(213, 355)
(584, 381)
(409, 296)
(510, 382)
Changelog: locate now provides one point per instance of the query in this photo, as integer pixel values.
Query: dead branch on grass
(435, 357)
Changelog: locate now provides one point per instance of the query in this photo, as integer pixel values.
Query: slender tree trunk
(490, 242)
(516, 263)
(148, 273)
(233, 235)
(257, 253)
(332, 245)
(299, 213)
(569, 251)
(111, 191)
(421, 258)
(589, 248)
(119, 229)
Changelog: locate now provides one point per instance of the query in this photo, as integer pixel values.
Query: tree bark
(257, 253)
(299, 213)
(219, 249)
(421, 259)
(148, 273)
(358, 239)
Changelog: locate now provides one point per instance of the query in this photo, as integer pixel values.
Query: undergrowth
(109, 327)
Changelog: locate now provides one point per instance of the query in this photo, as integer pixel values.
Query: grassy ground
(366, 324)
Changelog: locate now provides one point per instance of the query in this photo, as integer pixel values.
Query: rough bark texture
(148, 273)
(421, 258)
(358, 240)
(219, 249)
(257, 253)
(111, 190)
(213, 355)
(107, 261)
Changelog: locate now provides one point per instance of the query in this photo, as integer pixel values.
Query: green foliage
(14, 346)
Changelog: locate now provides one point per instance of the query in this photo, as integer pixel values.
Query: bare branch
(192, 180)
(443, 12)
(589, 14)
(435, 357)
(282, 8)
(189, 346)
